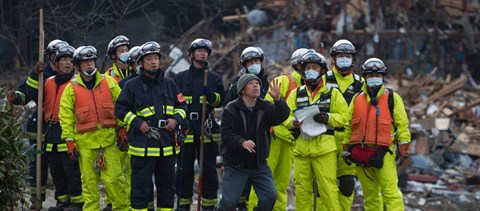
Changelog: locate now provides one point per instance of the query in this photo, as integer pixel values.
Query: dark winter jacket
(234, 129)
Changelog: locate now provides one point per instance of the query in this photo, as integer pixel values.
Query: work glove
(39, 67)
(11, 96)
(321, 117)
(122, 139)
(72, 149)
(346, 155)
(404, 150)
(208, 93)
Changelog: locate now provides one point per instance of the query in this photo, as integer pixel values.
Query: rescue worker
(251, 61)
(315, 157)
(364, 132)
(281, 148)
(245, 143)
(348, 83)
(152, 107)
(89, 129)
(21, 97)
(117, 51)
(65, 172)
(132, 57)
(190, 83)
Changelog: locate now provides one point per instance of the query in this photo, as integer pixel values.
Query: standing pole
(41, 43)
(202, 143)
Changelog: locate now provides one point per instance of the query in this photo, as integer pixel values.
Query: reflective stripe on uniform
(185, 201)
(129, 118)
(189, 139)
(32, 83)
(209, 202)
(62, 147)
(180, 112)
(22, 96)
(146, 112)
(188, 99)
(151, 151)
(76, 199)
(63, 198)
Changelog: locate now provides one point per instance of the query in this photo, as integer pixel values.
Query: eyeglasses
(203, 43)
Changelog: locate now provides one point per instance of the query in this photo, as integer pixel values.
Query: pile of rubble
(444, 169)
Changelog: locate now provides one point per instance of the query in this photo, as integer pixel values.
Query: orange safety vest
(365, 125)
(93, 106)
(292, 85)
(51, 105)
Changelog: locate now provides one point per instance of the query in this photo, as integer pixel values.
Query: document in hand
(309, 127)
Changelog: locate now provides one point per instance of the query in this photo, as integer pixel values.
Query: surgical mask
(89, 72)
(254, 69)
(343, 62)
(123, 58)
(311, 75)
(375, 81)
(138, 69)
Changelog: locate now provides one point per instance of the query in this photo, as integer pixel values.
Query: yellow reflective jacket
(323, 143)
(347, 86)
(101, 137)
(280, 131)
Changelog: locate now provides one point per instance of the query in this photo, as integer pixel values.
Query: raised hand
(274, 89)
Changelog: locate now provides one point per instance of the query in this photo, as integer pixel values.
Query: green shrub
(13, 158)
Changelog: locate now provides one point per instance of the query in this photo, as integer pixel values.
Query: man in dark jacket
(246, 142)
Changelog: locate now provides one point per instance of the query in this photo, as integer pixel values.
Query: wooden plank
(456, 84)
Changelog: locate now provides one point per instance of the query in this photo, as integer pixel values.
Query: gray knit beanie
(243, 81)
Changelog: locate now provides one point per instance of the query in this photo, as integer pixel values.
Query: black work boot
(183, 208)
(108, 207)
(74, 207)
(208, 208)
(60, 206)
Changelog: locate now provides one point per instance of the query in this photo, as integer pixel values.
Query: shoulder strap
(391, 103)
(291, 86)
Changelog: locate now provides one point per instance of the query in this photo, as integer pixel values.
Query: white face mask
(375, 81)
(92, 72)
(254, 69)
(311, 75)
(138, 69)
(123, 58)
(343, 62)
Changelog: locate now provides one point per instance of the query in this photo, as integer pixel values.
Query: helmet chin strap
(344, 71)
(92, 72)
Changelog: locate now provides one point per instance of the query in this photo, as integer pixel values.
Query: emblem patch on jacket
(180, 98)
